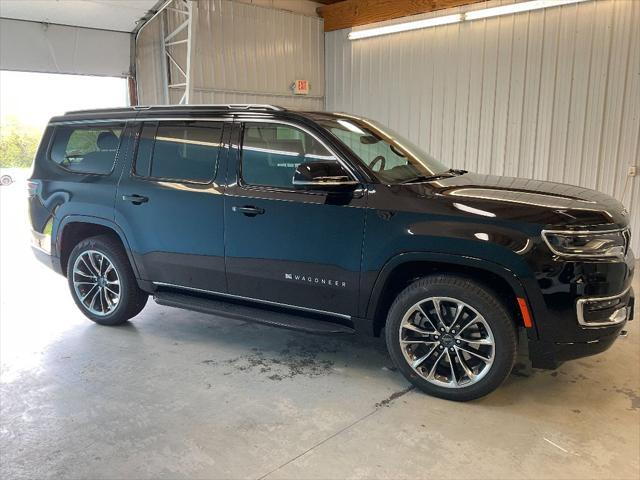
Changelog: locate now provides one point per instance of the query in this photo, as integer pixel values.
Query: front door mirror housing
(328, 175)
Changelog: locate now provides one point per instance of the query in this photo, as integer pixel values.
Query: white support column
(192, 7)
(186, 11)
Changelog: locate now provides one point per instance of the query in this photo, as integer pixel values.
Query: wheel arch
(72, 229)
(405, 268)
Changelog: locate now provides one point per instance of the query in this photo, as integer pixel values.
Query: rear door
(293, 247)
(170, 203)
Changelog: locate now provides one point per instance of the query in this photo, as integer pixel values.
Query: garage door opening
(28, 100)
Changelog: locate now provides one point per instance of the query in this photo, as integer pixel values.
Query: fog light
(594, 312)
(620, 315)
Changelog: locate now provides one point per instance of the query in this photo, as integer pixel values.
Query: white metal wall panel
(250, 54)
(150, 65)
(551, 94)
(35, 47)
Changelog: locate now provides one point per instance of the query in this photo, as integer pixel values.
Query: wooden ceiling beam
(353, 13)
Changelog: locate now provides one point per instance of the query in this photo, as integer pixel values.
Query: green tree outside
(18, 143)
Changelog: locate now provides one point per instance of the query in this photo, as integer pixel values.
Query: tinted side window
(271, 153)
(183, 151)
(86, 149)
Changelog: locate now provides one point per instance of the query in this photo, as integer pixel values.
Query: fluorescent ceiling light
(404, 27)
(516, 8)
(458, 17)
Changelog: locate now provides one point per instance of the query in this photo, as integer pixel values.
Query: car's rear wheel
(451, 337)
(102, 282)
(6, 180)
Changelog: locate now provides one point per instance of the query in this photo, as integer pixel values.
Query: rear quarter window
(86, 149)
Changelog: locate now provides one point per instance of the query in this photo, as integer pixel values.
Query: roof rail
(228, 106)
(99, 110)
(246, 106)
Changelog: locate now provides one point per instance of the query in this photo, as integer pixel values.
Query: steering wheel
(379, 159)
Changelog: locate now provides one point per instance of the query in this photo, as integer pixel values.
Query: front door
(292, 247)
(170, 204)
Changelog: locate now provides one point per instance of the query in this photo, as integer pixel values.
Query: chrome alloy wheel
(447, 342)
(96, 282)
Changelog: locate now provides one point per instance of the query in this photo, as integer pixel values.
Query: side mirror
(323, 175)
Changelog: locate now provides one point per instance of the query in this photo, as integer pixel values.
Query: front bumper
(579, 307)
(550, 355)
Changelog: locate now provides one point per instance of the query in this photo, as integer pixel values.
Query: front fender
(522, 285)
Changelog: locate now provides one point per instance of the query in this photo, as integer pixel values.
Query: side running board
(251, 314)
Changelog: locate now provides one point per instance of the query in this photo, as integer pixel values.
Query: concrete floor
(177, 394)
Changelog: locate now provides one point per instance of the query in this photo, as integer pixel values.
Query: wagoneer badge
(315, 280)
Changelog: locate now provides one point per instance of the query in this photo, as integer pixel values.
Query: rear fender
(58, 232)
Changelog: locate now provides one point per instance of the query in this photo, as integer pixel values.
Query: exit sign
(301, 87)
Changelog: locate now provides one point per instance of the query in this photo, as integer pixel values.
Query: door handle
(248, 210)
(135, 199)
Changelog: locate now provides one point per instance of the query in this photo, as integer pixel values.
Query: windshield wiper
(429, 178)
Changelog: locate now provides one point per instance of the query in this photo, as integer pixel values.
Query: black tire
(484, 301)
(131, 301)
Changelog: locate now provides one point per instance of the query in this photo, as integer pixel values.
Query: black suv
(329, 223)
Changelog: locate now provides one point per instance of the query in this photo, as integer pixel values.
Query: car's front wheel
(451, 337)
(102, 282)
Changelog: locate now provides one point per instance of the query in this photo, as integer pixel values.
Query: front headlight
(587, 244)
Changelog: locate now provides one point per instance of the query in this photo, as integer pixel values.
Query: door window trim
(272, 188)
(225, 122)
(123, 124)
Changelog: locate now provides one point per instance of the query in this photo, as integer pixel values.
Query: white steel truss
(177, 64)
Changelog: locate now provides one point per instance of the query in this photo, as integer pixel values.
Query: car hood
(546, 203)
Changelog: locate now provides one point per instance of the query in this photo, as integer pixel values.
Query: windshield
(391, 157)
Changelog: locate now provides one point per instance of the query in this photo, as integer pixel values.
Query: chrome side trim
(257, 300)
(580, 310)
